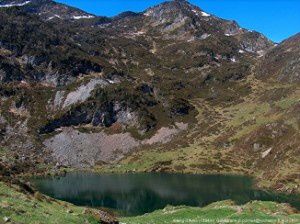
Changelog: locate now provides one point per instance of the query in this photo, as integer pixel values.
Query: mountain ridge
(48, 9)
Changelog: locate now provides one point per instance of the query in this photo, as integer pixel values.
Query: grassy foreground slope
(220, 212)
(17, 207)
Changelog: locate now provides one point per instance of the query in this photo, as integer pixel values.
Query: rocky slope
(47, 9)
(148, 89)
(282, 63)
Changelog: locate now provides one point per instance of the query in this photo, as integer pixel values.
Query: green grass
(26, 209)
(247, 112)
(2, 151)
(147, 159)
(220, 212)
(287, 102)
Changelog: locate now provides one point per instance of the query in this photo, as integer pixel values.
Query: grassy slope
(23, 208)
(220, 212)
(215, 143)
(27, 209)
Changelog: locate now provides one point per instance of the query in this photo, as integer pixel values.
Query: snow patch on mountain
(53, 17)
(14, 4)
(205, 14)
(196, 12)
(83, 17)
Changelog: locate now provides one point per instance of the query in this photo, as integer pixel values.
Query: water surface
(135, 194)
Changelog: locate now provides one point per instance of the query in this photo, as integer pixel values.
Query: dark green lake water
(135, 194)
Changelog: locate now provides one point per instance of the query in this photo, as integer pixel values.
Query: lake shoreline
(84, 176)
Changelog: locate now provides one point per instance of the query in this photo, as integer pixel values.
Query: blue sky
(277, 19)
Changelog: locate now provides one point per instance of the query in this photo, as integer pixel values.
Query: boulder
(102, 216)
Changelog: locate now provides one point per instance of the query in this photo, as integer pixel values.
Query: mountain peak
(181, 1)
(178, 19)
(174, 9)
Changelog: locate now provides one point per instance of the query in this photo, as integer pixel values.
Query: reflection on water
(135, 194)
